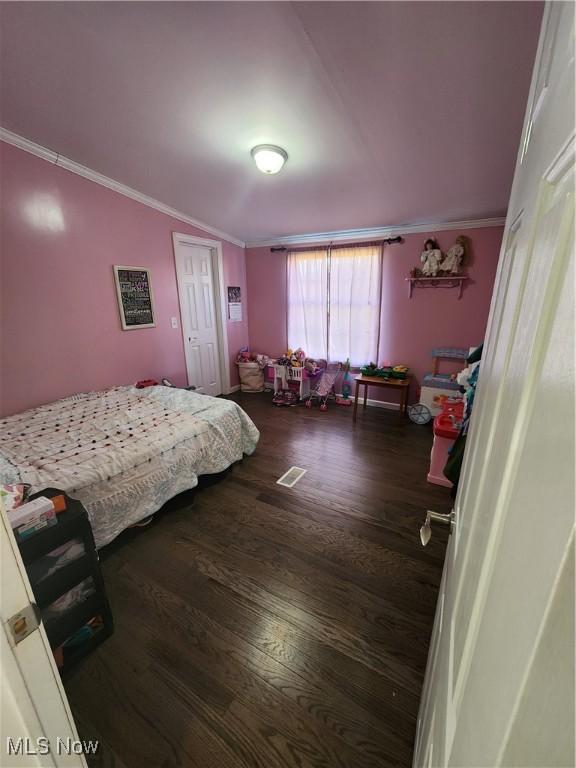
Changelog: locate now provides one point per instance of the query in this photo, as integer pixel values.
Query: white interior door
(37, 728)
(499, 687)
(199, 316)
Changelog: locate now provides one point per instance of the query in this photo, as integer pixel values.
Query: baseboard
(377, 403)
(235, 388)
(381, 404)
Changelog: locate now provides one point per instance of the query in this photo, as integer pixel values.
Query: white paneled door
(198, 310)
(499, 688)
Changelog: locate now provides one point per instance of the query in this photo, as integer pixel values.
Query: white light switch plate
(174, 322)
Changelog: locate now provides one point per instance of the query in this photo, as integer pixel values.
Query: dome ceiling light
(268, 158)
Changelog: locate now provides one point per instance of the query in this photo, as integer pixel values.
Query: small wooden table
(401, 385)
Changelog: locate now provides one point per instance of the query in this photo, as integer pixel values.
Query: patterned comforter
(124, 452)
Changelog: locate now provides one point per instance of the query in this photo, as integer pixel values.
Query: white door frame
(217, 261)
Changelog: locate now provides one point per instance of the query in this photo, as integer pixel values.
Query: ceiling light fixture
(268, 158)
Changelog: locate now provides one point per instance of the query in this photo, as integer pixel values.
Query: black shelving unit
(72, 524)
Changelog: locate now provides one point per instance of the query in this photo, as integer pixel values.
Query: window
(334, 302)
(308, 302)
(354, 304)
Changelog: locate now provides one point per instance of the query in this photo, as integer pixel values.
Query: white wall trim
(374, 403)
(28, 146)
(381, 404)
(70, 165)
(179, 238)
(373, 233)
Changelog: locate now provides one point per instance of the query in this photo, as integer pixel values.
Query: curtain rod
(333, 246)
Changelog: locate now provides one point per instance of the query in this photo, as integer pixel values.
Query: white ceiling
(391, 113)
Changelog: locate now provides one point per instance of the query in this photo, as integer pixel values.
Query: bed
(124, 452)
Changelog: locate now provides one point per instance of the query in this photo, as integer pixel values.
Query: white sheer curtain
(334, 302)
(354, 302)
(308, 301)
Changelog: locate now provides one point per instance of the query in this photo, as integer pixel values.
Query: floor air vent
(290, 478)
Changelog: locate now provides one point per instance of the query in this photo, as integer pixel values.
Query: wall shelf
(456, 281)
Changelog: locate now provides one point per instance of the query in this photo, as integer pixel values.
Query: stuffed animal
(298, 357)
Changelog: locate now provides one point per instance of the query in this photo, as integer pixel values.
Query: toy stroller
(325, 386)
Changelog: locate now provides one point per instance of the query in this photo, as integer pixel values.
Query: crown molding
(70, 165)
(375, 233)
(28, 146)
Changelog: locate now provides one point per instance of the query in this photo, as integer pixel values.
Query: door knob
(436, 517)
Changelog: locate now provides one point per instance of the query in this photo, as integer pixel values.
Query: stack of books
(32, 516)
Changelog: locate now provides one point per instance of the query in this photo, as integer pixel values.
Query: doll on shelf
(455, 256)
(431, 258)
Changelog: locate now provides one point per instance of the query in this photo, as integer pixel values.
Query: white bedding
(124, 452)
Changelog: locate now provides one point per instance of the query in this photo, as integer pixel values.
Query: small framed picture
(135, 301)
(234, 304)
(234, 294)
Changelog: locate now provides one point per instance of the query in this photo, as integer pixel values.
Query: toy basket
(251, 377)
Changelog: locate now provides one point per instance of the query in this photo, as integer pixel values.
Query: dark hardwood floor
(263, 626)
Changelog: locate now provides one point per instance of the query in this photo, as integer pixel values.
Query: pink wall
(410, 328)
(61, 330)
(267, 300)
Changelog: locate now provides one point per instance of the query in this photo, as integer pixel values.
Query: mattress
(124, 452)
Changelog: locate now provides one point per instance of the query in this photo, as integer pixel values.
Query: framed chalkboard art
(134, 297)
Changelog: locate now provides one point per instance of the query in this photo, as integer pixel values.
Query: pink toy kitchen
(452, 410)
(446, 428)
